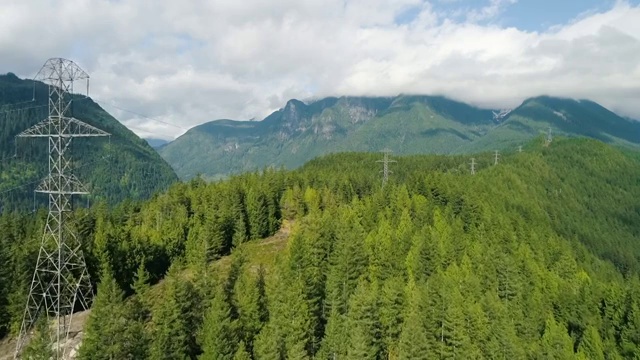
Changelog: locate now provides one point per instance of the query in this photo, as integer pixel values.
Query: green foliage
(535, 258)
(218, 339)
(174, 320)
(39, 347)
(111, 332)
(241, 353)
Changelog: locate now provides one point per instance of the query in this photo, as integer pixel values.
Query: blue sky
(539, 15)
(527, 15)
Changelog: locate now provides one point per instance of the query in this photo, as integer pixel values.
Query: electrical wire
(138, 114)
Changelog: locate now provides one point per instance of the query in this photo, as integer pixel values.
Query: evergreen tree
(141, 306)
(556, 343)
(246, 299)
(413, 341)
(364, 323)
(175, 318)
(40, 347)
(109, 333)
(591, 345)
(454, 336)
(258, 214)
(392, 303)
(241, 353)
(333, 344)
(269, 344)
(4, 279)
(239, 230)
(218, 338)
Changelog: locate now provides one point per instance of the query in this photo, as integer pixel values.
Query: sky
(163, 66)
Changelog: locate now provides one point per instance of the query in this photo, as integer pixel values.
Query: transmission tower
(473, 166)
(520, 148)
(385, 166)
(496, 155)
(549, 137)
(60, 282)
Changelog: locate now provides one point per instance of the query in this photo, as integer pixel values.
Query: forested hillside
(534, 258)
(115, 168)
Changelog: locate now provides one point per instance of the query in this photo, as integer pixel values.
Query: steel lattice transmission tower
(385, 166)
(60, 283)
(473, 166)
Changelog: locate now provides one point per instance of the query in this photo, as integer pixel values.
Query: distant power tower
(520, 148)
(549, 137)
(496, 155)
(473, 166)
(60, 282)
(385, 166)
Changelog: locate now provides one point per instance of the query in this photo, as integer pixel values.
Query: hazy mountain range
(405, 124)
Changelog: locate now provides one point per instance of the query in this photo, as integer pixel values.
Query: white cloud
(188, 62)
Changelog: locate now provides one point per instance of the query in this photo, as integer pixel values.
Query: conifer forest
(537, 257)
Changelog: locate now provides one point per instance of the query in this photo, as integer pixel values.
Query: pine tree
(141, 287)
(239, 230)
(556, 342)
(241, 353)
(361, 346)
(364, 323)
(454, 335)
(246, 299)
(4, 277)
(258, 214)
(413, 342)
(218, 338)
(347, 262)
(40, 347)
(333, 344)
(591, 345)
(175, 318)
(391, 308)
(108, 330)
(269, 344)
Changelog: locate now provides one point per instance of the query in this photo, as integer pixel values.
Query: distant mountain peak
(410, 124)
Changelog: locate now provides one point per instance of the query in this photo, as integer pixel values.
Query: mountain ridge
(409, 124)
(122, 166)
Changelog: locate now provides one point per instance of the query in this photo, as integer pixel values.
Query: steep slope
(115, 168)
(299, 132)
(565, 117)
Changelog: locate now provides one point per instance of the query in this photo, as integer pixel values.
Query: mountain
(535, 258)
(119, 167)
(156, 143)
(407, 124)
(566, 117)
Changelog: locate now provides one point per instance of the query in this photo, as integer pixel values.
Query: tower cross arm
(71, 127)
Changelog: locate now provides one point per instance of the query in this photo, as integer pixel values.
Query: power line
(23, 109)
(139, 114)
(18, 103)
